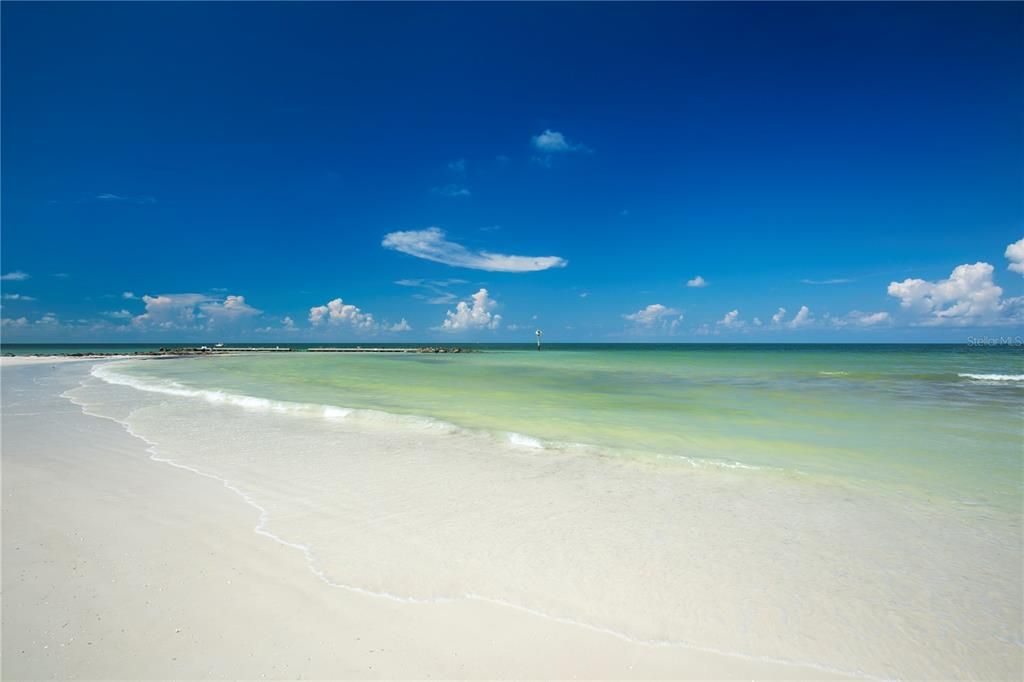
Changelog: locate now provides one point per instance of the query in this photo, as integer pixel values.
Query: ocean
(851, 507)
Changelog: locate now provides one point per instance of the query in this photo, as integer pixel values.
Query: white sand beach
(119, 567)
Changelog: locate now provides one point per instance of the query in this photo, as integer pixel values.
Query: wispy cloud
(454, 191)
(441, 295)
(18, 297)
(431, 244)
(118, 314)
(826, 281)
(457, 166)
(110, 197)
(16, 276)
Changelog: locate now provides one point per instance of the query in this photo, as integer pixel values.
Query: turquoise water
(941, 421)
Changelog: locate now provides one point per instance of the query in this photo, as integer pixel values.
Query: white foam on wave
(992, 377)
(833, 374)
(522, 441)
(107, 373)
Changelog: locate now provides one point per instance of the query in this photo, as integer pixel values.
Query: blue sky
(275, 172)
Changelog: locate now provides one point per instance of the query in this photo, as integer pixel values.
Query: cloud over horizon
(477, 315)
(969, 296)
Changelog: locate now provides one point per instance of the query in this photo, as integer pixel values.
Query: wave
(993, 377)
(107, 372)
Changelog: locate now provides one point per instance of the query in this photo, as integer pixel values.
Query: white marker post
(539, 334)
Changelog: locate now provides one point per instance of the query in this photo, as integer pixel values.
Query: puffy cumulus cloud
(1015, 254)
(802, 318)
(856, 318)
(431, 244)
(337, 312)
(657, 316)
(169, 311)
(192, 311)
(967, 297)
(16, 276)
(14, 322)
(551, 143)
(697, 282)
(731, 320)
(475, 315)
(232, 308)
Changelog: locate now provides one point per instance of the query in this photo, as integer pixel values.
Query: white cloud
(118, 314)
(732, 320)
(1015, 254)
(185, 311)
(856, 318)
(453, 190)
(802, 318)
(107, 196)
(779, 315)
(457, 166)
(967, 297)
(14, 322)
(129, 296)
(430, 244)
(656, 316)
(479, 315)
(826, 281)
(288, 323)
(338, 312)
(18, 297)
(554, 142)
(437, 288)
(16, 276)
(170, 311)
(697, 282)
(550, 143)
(230, 309)
(402, 326)
(651, 314)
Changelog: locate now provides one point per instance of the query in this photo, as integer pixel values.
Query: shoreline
(82, 608)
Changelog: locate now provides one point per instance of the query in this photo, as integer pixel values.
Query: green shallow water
(901, 418)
